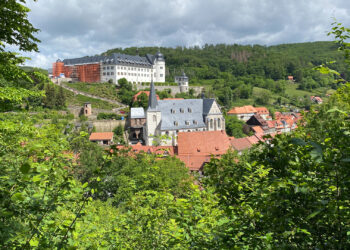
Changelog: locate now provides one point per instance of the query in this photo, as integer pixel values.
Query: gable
(214, 109)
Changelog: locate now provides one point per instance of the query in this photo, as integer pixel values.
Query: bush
(108, 116)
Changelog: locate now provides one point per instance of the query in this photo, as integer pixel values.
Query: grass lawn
(79, 100)
(106, 90)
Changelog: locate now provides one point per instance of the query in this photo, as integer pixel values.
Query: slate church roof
(181, 114)
(115, 58)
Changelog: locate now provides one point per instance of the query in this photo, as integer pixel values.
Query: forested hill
(222, 60)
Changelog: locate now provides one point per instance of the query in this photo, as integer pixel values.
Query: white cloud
(73, 28)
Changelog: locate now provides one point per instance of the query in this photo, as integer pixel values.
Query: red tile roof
(134, 98)
(242, 110)
(258, 129)
(240, 144)
(196, 148)
(262, 110)
(101, 136)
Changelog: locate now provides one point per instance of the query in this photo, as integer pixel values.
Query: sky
(75, 28)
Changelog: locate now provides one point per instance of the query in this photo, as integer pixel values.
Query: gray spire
(152, 101)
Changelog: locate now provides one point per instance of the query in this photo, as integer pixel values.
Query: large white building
(166, 118)
(135, 69)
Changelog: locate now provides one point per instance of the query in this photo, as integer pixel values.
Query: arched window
(154, 118)
(189, 110)
(211, 123)
(219, 123)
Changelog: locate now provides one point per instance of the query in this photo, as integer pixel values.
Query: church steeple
(152, 101)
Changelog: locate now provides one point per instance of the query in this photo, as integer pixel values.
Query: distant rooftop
(137, 113)
(115, 58)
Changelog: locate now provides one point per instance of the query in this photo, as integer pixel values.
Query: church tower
(153, 116)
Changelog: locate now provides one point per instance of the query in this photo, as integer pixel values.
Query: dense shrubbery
(59, 190)
(109, 116)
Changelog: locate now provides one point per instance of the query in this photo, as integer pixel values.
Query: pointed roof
(152, 101)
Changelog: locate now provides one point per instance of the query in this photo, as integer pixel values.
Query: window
(161, 67)
(107, 73)
(104, 67)
(182, 110)
(176, 123)
(155, 74)
(187, 122)
(219, 123)
(161, 75)
(172, 111)
(195, 122)
(167, 132)
(118, 73)
(107, 67)
(118, 67)
(211, 123)
(154, 118)
(189, 110)
(112, 73)
(138, 69)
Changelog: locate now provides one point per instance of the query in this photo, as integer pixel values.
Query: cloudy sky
(74, 28)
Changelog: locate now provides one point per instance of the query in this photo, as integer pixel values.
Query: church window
(219, 123)
(211, 123)
(182, 110)
(189, 110)
(154, 118)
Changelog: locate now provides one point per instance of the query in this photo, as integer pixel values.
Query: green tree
(234, 127)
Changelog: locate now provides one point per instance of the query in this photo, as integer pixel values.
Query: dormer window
(189, 110)
(182, 110)
(172, 111)
(187, 122)
(176, 123)
(195, 122)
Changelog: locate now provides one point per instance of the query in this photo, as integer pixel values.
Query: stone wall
(174, 89)
(107, 125)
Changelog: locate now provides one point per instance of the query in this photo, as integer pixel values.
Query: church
(166, 118)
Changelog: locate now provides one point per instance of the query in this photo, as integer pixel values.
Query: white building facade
(135, 69)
